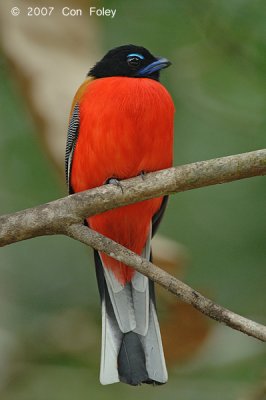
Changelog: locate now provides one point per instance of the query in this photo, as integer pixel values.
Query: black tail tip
(131, 360)
(132, 363)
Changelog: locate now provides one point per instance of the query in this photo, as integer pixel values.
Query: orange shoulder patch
(80, 93)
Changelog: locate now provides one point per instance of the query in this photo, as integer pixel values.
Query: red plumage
(126, 127)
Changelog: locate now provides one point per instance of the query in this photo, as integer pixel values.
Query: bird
(121, 126)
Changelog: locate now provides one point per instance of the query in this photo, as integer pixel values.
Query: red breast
(126, 127)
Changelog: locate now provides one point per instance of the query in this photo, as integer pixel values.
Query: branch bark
(167, 281)
(66, 216)
(51, 218)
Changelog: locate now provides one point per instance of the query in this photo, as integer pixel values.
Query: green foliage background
(217, 80)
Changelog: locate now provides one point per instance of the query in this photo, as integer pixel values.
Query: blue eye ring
(134, 60)
(135, 55)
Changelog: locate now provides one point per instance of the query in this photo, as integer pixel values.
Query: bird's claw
(143, 175)
(116, 182)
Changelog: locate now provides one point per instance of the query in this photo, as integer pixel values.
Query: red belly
(126, 127)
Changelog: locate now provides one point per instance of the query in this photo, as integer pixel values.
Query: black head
(131, 61)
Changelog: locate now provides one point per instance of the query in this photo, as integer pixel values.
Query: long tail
(131, 341)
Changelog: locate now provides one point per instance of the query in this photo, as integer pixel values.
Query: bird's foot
(143, 175)
(114, 181)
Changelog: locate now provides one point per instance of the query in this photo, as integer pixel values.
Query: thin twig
(167, 281)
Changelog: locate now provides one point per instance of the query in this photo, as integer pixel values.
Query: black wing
(156, 219)
(72, 135)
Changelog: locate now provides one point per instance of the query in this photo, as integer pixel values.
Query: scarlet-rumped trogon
(121, 126)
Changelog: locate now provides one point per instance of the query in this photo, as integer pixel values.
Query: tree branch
(66, 216)
(51, 218)
(167, 281)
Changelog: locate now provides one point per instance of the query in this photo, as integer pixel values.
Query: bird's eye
(134, 60)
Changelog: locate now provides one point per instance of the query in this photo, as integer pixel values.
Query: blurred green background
(49, 308)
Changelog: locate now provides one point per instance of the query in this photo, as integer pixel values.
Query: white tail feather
(122, 302)
(134, 311)
(152, 343)
(111, 342)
